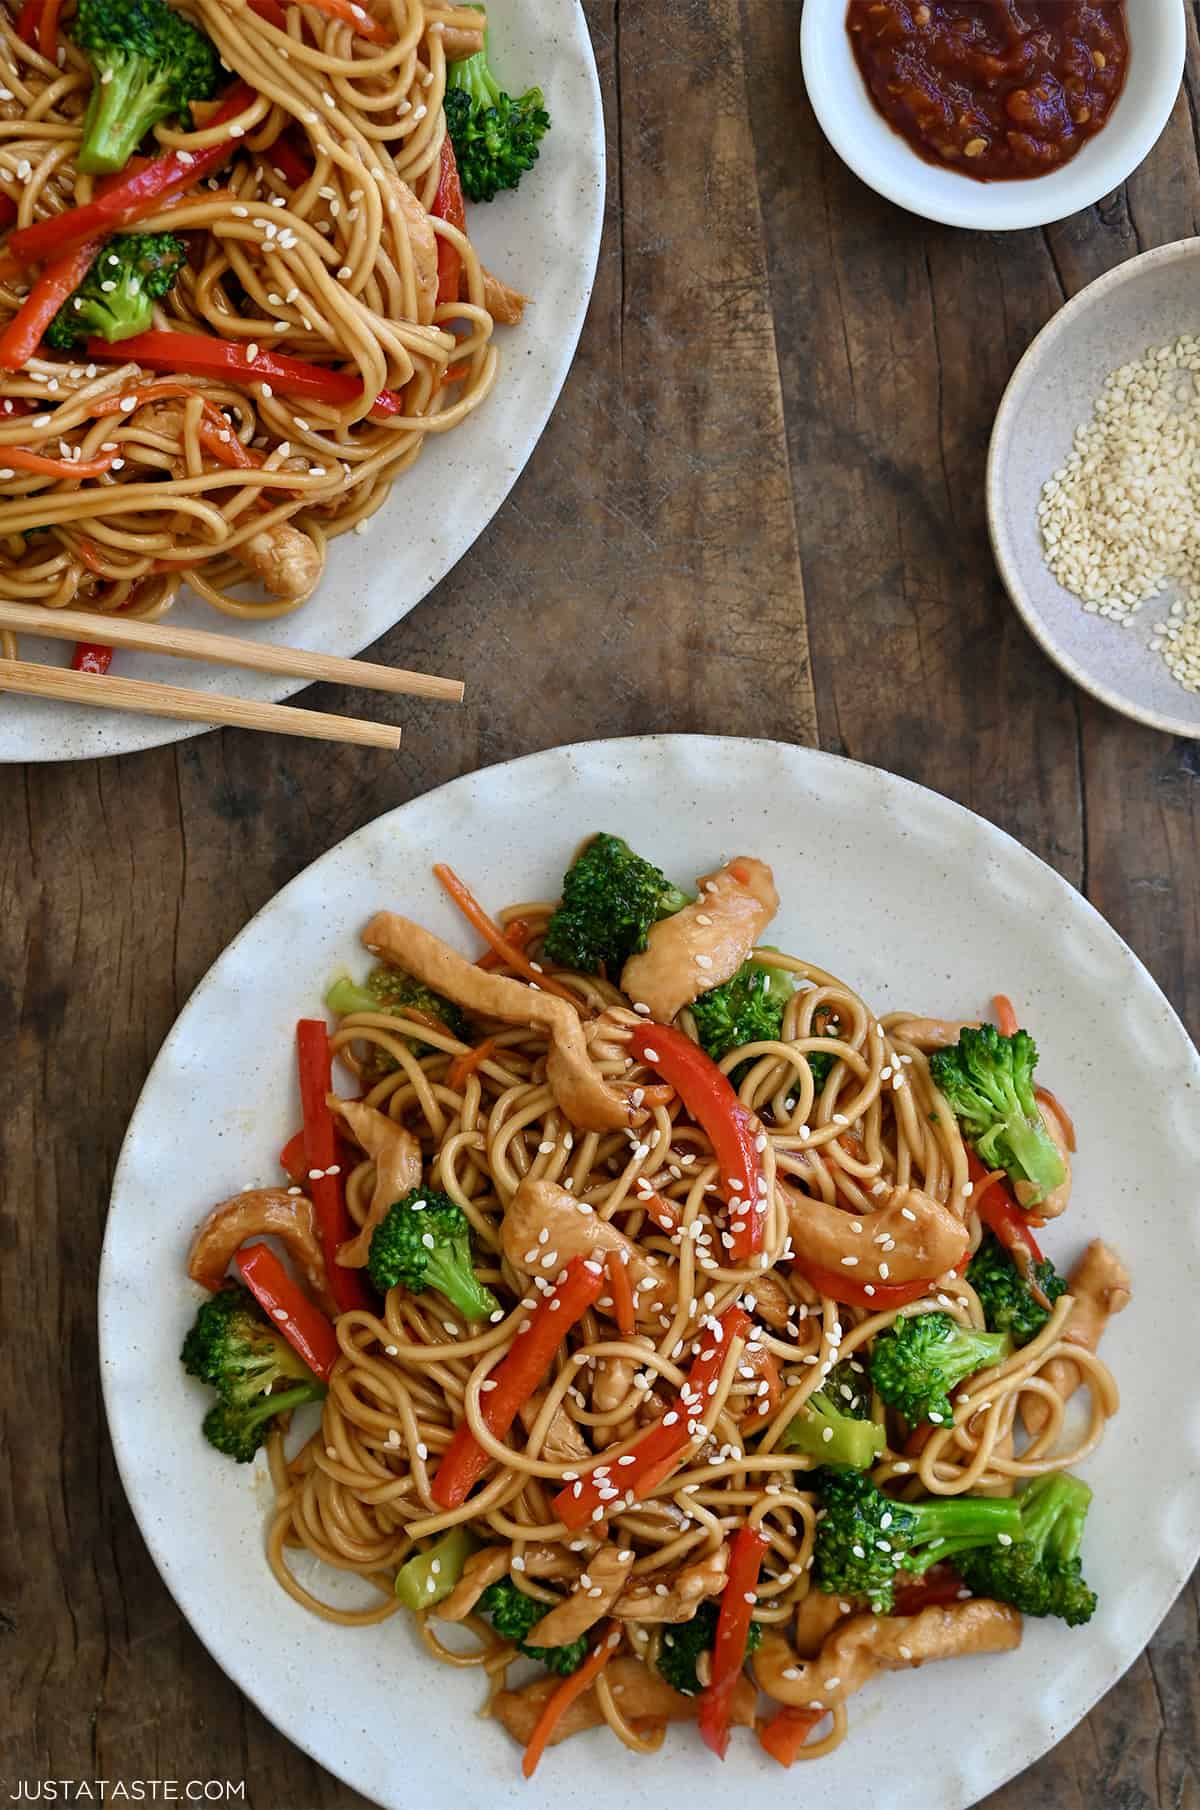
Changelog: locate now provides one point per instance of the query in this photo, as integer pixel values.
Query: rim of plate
(1178, 251)
(566, 189)
(700, 760)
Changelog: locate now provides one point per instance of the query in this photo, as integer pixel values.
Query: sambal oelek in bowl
(998, 90)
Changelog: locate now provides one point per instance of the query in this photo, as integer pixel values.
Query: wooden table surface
(757, 510)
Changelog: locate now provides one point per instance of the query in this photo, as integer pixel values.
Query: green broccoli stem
(460, 1286)
(429, 1576)
(346, 996)
(1053, 1512)
(1034, 1151)
(964, 1520)
(475, 77)
(821, 1431)
(283, 1403)
(119, 114)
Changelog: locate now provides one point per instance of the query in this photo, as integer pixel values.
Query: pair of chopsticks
(108, 691)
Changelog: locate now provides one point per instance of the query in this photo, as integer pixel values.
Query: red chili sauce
(996, 89)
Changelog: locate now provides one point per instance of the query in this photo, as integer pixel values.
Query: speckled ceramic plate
(545, 238)
(1150, 301)
(915, 901)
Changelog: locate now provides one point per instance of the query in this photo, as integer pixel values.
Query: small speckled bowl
(1150, 301)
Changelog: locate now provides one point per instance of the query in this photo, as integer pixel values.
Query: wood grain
(772, 442)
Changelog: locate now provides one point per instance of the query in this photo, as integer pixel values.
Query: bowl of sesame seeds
(1093, 488)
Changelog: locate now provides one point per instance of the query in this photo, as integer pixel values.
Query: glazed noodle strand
(855, 1133)
(224, 479)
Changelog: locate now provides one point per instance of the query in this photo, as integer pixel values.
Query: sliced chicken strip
(423, 243)
(594, 1595)
(547, 1560)
(613, 1383)
(397, 1158)
(481, 1570)
(262, 1213)
(580, 1090)
(1101, 1286)
(928, 1238)
(460, 43)
(502, 303)
(563, 1441)
(772, 1301)
(574, 1230)
(867, 1644)
(641, 1695)
(288, 561)
(931, 1033)
(686, 1589)
(816, 1618)
(706, 943)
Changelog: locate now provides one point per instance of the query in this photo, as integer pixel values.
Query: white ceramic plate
(917, 902)
(1149, 301)
(864, 140)
(545, 238)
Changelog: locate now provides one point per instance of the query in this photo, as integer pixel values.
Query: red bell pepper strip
(323, 1158)
(129, 197)
(28, 20)
(732, 1129)
(91, 656)
(203, 355)
(304, 1326)
(270, 11)
(786, 1733)
(448, 205)
(47, 41)
(1001, 1214)
(516, 1376)
(876, 1297)
(941, 1584)
(291, 1158)
(661, 1448)
(23, 334)
(284, 157)
(747, 1550)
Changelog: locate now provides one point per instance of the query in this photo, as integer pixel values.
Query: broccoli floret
(512, 1614)
(148, 63)
(834, 1425)
(116, 298)
(1006, 1296)
(237, 1431)
(988, 1081)
(921, 1359)
(748, 1008)
(611, 899)
(425, 1242)
(232, 1346)
(682, 1646)
(1040, 1573)
(864, 1537)
(495, 138)
(389, 989)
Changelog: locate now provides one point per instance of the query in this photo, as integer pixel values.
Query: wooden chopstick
(222, 650)
(106, 691)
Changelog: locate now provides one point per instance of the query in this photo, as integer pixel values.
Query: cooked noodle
(335, 272)
(357, 1496)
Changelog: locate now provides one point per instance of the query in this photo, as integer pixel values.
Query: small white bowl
(1150, 301)
(864, 140)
